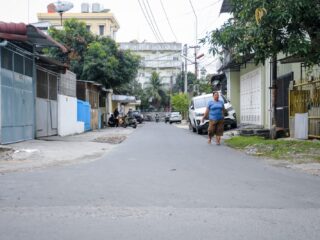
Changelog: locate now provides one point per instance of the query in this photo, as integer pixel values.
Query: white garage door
(250, 98)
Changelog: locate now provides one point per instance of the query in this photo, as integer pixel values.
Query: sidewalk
(55, 150)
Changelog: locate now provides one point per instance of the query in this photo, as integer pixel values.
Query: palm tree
(155, 89)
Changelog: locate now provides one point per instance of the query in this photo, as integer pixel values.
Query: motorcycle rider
(157, 117)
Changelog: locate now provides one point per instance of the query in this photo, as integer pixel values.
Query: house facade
(163, 58)
(99, 21)
(297, 91)
(18, 80)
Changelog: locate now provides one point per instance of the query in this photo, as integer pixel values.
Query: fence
(305, 98)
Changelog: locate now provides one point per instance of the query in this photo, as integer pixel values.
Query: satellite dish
(63, 6)
(59, 7)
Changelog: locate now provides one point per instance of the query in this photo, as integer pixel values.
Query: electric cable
(154, 21)
(150, 25)
(165, 13)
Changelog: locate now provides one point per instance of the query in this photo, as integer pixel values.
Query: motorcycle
(128, 121)
(112, 121)
(157, 118)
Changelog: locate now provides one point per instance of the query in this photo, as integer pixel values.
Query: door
(282, 114)
(17, 101)
(46, 104)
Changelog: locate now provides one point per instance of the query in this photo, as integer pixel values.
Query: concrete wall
(233, 91)
(67, 116)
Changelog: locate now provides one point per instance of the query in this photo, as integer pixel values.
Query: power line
(168, 21)
(206, 7)
(154, 20)
(147, 19)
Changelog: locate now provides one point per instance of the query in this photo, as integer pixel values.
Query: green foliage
(179, 85)
(180, 102)
(94, 58)
(155, 91)
(106, 64)
(289, 26)
(76, 38)
(293, 150)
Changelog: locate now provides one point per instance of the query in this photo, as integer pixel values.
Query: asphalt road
(162, 183)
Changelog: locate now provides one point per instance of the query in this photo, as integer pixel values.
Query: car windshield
(203, 102)
(175, 114)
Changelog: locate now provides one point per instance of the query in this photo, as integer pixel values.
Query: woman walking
(215, 113)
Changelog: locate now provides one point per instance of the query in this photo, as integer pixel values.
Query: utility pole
(185, 53)
(196, 57)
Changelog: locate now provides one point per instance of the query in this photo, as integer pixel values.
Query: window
(101, 30)
(28, 70)
(88, 27)
(6, 59)
(18, 63)
(175, 59)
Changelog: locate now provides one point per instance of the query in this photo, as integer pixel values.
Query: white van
(198, 107)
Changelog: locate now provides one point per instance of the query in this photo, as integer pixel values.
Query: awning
(51, 64)
(36, 36)
(27, 33)
(292, 59)
(226, 7)
(124, 98)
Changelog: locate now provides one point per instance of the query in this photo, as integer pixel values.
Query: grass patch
(293, 150)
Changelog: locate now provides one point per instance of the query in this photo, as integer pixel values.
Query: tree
(155, 90)
(94, 58)
(264, 28)
(76, 38)
(106, 64)
(180, 103)
(179, 85)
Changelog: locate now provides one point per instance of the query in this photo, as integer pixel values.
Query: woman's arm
(206, 114)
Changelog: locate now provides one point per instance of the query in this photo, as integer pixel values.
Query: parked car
(138, 116)
(175, 117)
(198, 107)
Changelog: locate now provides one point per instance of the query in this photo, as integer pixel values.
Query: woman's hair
(214, 92)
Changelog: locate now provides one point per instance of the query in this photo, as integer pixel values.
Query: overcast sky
(132, 21)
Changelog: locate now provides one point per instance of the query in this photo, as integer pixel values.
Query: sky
(133, 24)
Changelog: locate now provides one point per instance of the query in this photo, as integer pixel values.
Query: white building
(163, 58)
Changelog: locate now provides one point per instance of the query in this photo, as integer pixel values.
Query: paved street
(163, 182)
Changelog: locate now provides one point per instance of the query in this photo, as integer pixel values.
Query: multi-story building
(99, 21)
(163, 58)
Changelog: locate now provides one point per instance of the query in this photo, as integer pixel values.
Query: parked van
(198, 107)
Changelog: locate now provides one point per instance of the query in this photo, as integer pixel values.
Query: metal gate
(282, 116)
(250, 98)
(16, 97)
(46, 103)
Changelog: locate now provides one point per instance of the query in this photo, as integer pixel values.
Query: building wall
(163, 58)
(94, 20)
(233, 91)
(67, 116)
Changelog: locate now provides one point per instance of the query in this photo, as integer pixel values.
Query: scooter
(128, 121)
(157, 118)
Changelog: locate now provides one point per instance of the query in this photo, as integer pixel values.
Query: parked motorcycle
(157, 118)
(128, 121)
(112, 121)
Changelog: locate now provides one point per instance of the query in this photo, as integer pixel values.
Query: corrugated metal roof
(27, 33)
(226, 6)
